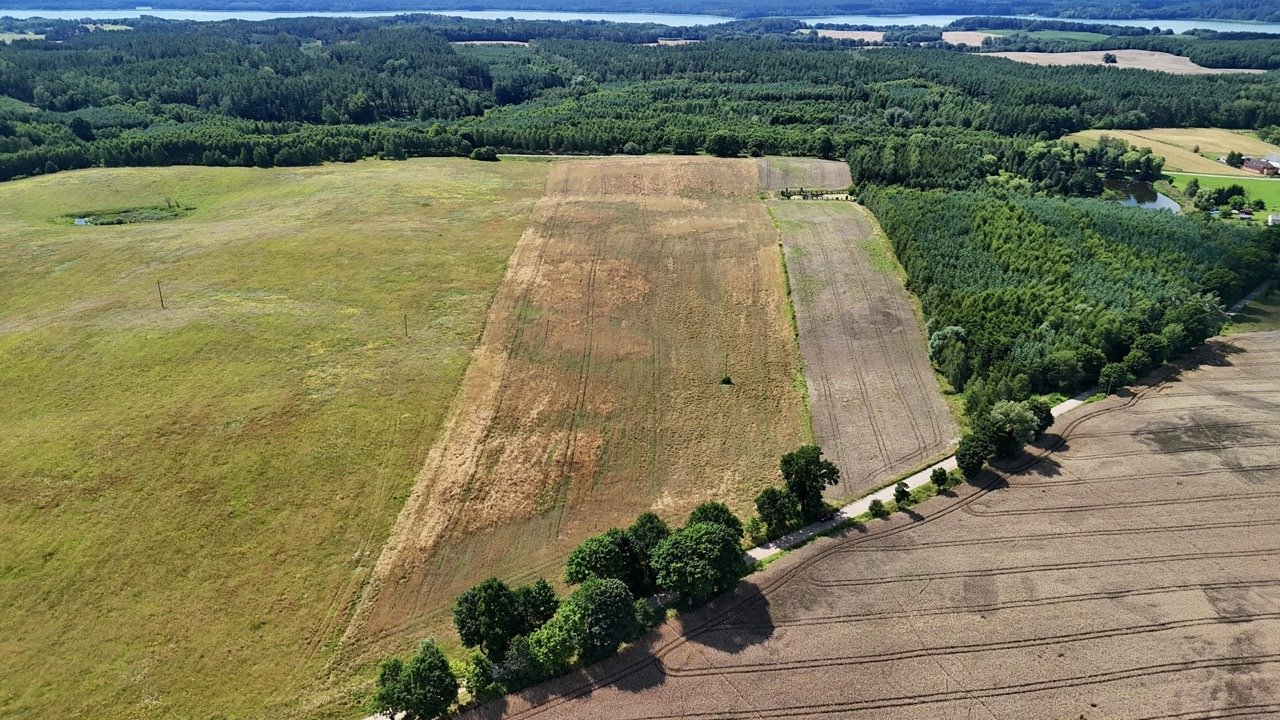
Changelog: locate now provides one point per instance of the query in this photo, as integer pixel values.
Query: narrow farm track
(876, 407)
(1156, 598)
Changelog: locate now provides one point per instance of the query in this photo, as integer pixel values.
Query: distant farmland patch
(1138, 59)
(596, 391)
(1194, 150)
(192, 496)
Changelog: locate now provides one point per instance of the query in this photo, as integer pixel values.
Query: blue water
(664, 19)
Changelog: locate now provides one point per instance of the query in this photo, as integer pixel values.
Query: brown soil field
(1124, 568)
(957, 37)
(1140, 59)
(595, 393)
(490, 42)
(877, 410)
(778, 173)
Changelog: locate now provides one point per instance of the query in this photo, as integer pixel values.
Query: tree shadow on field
(731, 623)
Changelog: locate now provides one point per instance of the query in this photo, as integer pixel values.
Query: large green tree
(422, 689)
(487, 617)
(609, 555)
(807, 474)
(698, 561)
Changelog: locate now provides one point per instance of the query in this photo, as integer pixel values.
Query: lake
(1141, 194)
(660, 18)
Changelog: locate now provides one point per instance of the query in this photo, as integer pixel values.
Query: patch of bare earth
(596, 391)
(1140, 59)
(1124, 568)
(877, 410)
(782, 173)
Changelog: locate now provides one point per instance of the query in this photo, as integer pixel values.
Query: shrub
(423, 689)
(610, 555)
(757, 532)
(779, 510)
(1113, 376)
(632, 149)
(939, 478)
(1042, 412)
(486, 154)
(535, 604)
(476, 675)
(972, 453)
(902, 494)
(486, 617)
(878, 510)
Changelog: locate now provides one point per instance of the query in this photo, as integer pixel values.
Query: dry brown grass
(877, 410)
(777, 173)
(1140, 59)
(595, 393)
(1177, 146)
(1126, 570)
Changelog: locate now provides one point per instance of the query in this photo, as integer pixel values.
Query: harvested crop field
(877, 410)
(1139, 59)
(966, 37)
(596, 391)
(1185, 149)
(866, 35)
(1125, 568)
(191, 496)
(780, 173)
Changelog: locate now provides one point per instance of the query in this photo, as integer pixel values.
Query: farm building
(1262, 167)
(1273, 220)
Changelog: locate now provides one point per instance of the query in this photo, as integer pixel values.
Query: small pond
(1141, 194)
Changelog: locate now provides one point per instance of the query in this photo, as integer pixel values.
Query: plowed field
(876, 406)
(1124, 568)
(596, 391)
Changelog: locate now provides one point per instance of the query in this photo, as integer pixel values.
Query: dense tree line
(1030, 294)
(292, 92)
(1225, 9)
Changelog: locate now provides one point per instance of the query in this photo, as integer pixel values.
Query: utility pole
(161, 293)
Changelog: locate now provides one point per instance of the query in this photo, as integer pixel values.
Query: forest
(1223, 9)
(1035, 294)
(302, 91)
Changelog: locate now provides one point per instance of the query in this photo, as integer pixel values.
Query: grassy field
(8, 37)
(1255, 187)
(1260, 315)
(191, 497)
(1178, 147)
(596, 393)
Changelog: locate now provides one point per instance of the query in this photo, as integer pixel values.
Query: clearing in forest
(1193, 150)
(1139, 59)
(1265, 189)
(865, 35)
(191, 497)
(877, 410)
(596, 393)
(1125, 567)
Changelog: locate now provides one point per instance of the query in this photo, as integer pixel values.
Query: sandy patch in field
(1140, 59)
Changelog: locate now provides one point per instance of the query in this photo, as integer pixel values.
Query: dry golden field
(1139, 59)
(596, 390)
(1178, 146)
